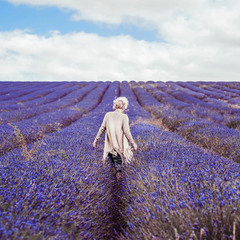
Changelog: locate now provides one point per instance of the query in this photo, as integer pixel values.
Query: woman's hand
(135, 147)
(94, 144)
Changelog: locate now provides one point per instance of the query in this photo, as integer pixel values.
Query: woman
(116, 147)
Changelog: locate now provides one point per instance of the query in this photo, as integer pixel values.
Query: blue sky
(92, 40)
(42, 19)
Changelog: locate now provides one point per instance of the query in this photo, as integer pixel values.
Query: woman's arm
(100, 131)
(127, 132)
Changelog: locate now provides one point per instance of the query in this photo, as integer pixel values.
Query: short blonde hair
(120, 103)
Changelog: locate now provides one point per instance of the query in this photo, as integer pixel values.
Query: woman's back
(118, 135)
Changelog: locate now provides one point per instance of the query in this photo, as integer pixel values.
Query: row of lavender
(62, 191)
(24, 103)
(211, 101)
(61, 98)
(53, 112)
(172, 189)
(216, 137)
(36, 96)
(12, 90)
(178, 191)
(180, 95)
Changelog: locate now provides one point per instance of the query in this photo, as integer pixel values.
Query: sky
(119, 40)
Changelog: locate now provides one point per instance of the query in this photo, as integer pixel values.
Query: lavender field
(184, 181)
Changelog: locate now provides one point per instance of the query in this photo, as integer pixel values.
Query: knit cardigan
(117, 136)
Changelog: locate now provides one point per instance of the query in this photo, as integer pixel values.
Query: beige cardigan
(117, 135)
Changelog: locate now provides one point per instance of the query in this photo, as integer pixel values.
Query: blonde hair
(120, 103)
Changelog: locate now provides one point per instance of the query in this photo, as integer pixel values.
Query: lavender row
(134, 110)
(213, 109)
(212, 93)
(51, 121)
(72, 194)
(182, 98)
(177, 87)
(177, 190)
(59, 92)
(207, 99)
(225, 90)
(21, 91)
(164, 97)
(54, 195)
(191, 106)
(72, 95)
(197, 88)
(222, 115)
(201, 100)
(221, 139)
(34, 98)
(8, 87)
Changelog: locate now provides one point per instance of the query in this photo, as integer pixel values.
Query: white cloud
(208, 26)
(82, 56)
(202, 39)
(115, 11)
(179, 22)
